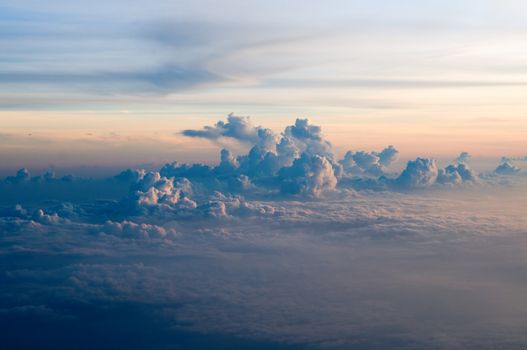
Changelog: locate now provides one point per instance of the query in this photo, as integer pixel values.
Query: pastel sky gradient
(112, 84)
(263, 174)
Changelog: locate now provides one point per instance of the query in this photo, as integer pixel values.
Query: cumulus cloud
(424, 172)
(463, 157)
(456, 174)
(22, 175)
(153, 190)
(421, 172)
(507, 168)
(130, 175)
(308, 138)
(311, 175)
(238, 128)
(48, 219)
(270, 159)
(368, 163)
(388, 155)
(299, 161)
(133, 230)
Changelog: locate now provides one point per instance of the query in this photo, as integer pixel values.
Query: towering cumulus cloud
(299, 161)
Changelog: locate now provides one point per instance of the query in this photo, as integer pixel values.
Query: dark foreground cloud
(366, 270)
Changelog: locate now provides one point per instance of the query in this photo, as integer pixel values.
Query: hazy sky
(365, 203)
(113, 83)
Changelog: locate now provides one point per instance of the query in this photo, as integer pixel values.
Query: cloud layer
(285, 246)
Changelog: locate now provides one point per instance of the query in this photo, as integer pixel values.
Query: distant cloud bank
(296, 165)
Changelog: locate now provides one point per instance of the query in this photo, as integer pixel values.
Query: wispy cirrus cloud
(161, 79)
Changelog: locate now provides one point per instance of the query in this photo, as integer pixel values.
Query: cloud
(130, 175)
(456, 174)
(130, 229)
(298, 148)
(234, 267)
(419, 173)
(463, 157)
(423, 173)
(388, 155)
(238, 128)
(308, 175)
(153, 191)
(160, 79)
(297, 162)
(308, 138)
(22, 175)
(507, 168)
(368, 163)
(224, 248)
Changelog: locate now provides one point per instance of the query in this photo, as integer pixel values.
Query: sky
(116, 82)
(263, 175)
